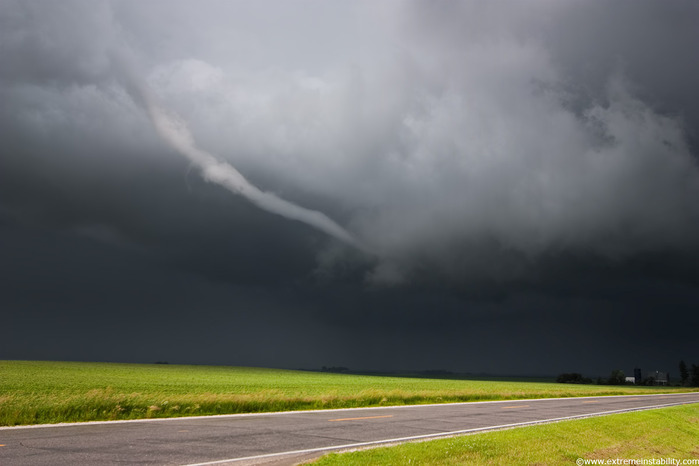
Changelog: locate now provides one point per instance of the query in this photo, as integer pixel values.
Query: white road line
(317, 411)
(437, 435)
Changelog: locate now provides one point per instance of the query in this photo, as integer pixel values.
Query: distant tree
(695, 375)
(649, 381)
(684, 373)
(617, 377)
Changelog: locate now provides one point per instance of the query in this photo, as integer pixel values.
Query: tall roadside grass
(37, 392)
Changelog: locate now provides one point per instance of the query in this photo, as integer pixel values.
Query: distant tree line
(689, 377)
(617, 377)
(572, 377)
(336, 369)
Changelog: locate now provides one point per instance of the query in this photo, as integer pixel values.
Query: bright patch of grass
(660, 433)
(35, 392)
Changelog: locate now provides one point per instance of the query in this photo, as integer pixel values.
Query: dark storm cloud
(50, 42)
(590, 39)
(518, 170)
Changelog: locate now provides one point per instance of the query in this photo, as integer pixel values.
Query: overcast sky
(503, 187)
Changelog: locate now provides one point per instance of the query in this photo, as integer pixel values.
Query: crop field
(36, 392)
(651, 435)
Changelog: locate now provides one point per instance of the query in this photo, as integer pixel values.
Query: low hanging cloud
(452, 150)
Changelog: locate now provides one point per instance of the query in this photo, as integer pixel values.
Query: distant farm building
(652, 378)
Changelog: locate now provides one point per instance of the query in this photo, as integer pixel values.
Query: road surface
(286, 438)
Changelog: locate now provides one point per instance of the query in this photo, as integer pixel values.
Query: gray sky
(522, 179)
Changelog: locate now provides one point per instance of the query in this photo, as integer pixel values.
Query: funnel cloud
(174, 131)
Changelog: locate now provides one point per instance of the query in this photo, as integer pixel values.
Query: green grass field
(659, 433)
(36, 392)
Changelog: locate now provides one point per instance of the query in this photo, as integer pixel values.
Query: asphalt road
(285, 438)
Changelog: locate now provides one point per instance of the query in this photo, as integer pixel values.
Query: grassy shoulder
(36, 392)
(659, 433)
